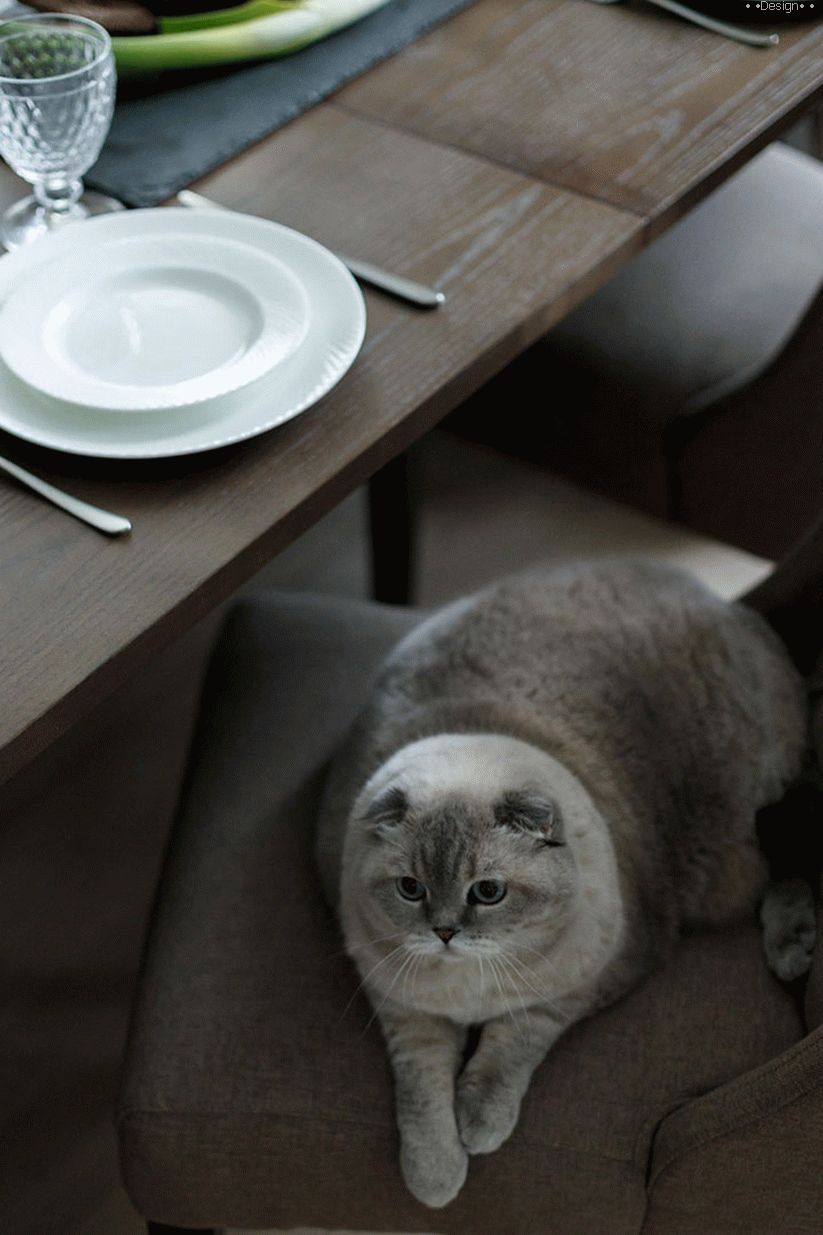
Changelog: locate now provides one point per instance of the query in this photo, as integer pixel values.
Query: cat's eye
(410, 889)
(487, 892)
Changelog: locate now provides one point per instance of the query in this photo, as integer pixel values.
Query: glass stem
(58, 196)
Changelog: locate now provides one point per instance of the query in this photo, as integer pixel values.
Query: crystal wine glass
(57, 86)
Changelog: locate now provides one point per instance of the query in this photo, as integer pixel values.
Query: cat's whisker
(523, 947)
(516, 1020)
(507, 967)
(405, 987)
(415, 973)
(357, 947)
(516, 982)
(482, 999)
(404, 967)
(523, 973)
(505, 1002)
(389, 956)
(497, 983)
(417, 960)
(409, 960)
(526, 974)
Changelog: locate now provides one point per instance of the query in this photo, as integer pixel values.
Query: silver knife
(395, 284)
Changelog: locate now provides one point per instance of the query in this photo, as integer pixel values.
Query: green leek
(284, 28)
(224, 17)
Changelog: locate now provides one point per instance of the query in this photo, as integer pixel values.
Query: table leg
(392, 533)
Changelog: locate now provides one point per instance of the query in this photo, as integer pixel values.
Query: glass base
(27, 220)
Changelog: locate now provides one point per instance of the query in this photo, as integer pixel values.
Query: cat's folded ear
(386, 810)
(525, 811)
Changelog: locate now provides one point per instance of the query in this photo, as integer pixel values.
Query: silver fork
(395, 284)
(739, 33)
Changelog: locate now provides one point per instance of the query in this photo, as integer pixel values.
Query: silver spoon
(739, 33)
(103, 520)
(395, 284)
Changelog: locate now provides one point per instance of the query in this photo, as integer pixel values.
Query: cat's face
(462, 850)
(466, 876)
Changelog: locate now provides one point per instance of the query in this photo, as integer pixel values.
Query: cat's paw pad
(789, 928)
(486, 1109)
(434, 1172)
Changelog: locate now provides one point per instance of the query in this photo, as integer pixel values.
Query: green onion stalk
(254, 30)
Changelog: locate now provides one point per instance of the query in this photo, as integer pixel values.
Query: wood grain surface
(621, 102)
(517, 156)
(78, 612)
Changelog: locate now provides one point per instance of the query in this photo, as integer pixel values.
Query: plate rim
(211, 438)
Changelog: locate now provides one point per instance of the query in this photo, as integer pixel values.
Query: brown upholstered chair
(252, 1097)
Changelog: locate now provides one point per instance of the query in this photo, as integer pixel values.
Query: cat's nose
(445, 932)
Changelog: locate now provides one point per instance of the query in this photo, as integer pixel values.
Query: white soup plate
(151, 322)
(335, 328)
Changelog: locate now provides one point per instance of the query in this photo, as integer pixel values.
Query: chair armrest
(745, 1157)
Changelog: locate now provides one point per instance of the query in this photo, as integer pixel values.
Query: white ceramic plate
(336, 327)
(148, 322)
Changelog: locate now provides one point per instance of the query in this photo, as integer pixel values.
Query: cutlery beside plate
(740, 34)
(385, 280)
(94, 516)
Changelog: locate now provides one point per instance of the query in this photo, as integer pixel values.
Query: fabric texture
(745, 1159)
(256, 1090)
(161, 143)
(713, 302)
(814, 987)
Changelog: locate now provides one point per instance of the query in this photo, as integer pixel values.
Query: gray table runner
(162, 143)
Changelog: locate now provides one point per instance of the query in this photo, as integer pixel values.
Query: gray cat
(552, 781)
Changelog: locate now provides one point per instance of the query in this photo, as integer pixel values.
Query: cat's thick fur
(597, 741)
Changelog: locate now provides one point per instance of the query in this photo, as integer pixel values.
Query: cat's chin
(447, 955)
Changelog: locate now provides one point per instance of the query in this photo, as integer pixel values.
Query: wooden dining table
(517, 157)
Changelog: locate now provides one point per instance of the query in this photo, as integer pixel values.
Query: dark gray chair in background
(691, 386)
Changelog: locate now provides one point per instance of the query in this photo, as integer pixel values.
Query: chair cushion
(256, 1090)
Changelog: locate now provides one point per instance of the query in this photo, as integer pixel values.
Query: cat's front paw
(486, 1108)
(434, 1170)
